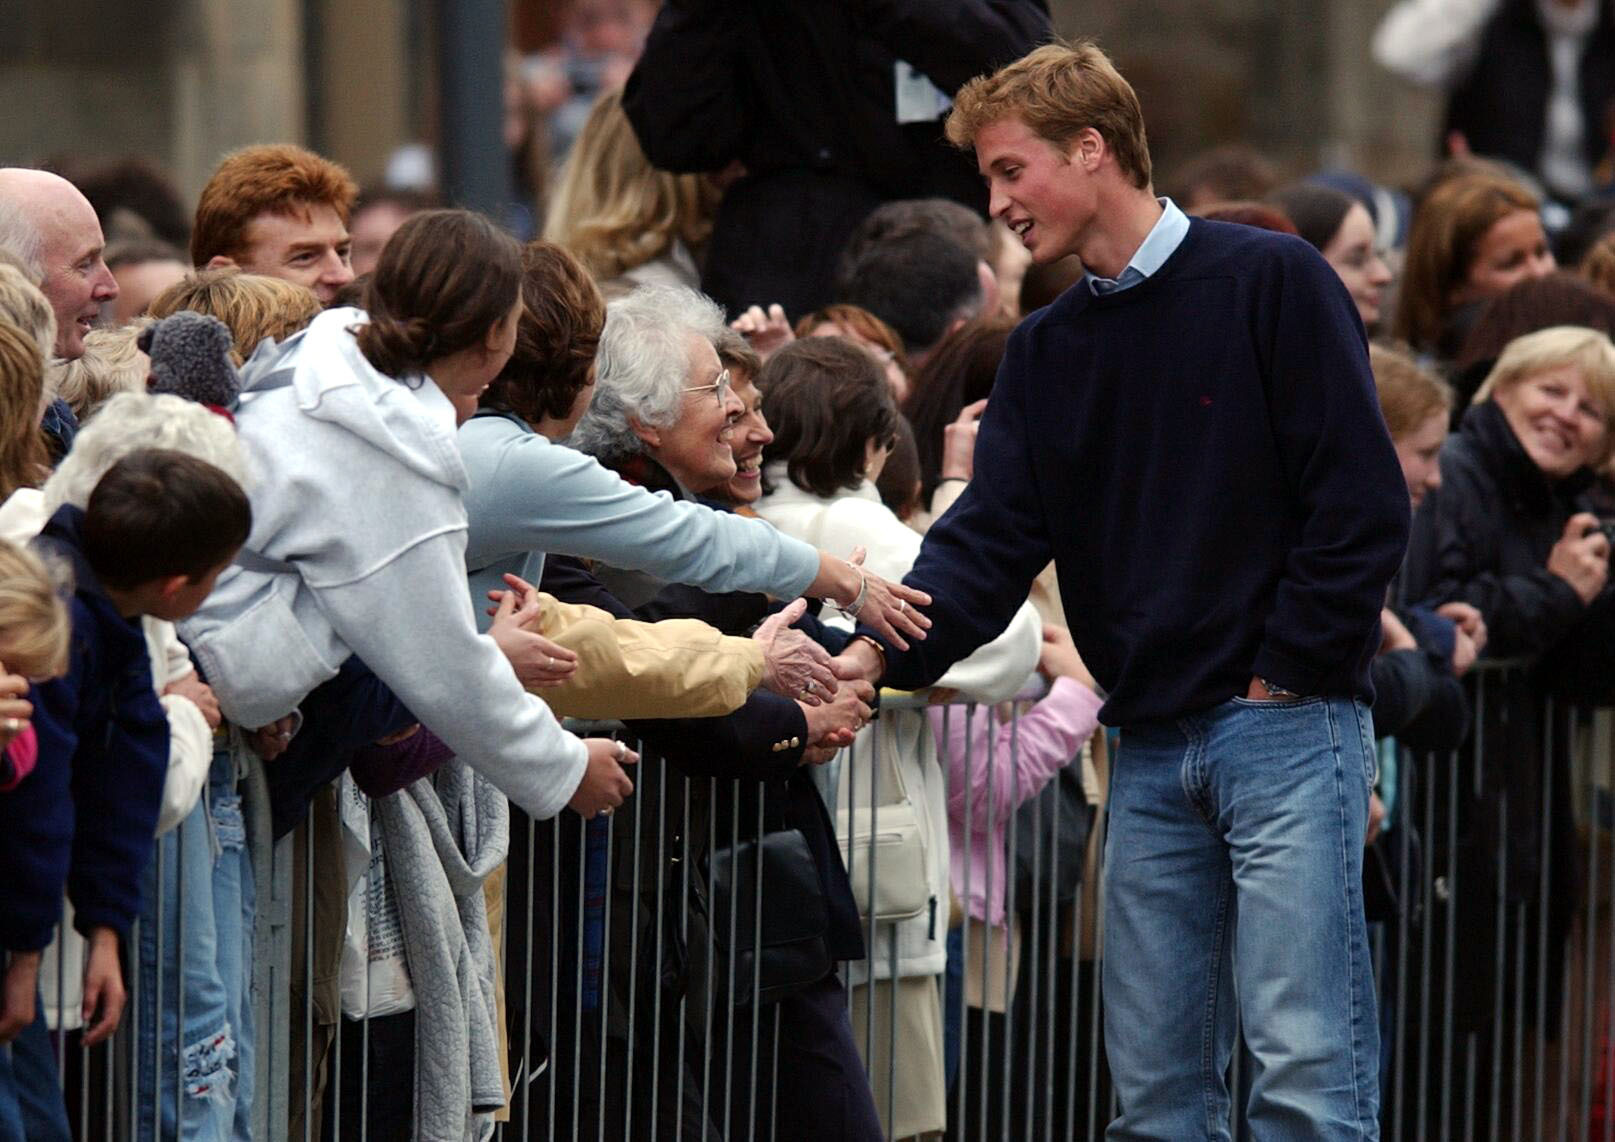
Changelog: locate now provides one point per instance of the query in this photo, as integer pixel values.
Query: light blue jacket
(528, 496)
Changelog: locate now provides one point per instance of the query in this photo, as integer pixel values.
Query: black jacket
(1501, 106)
(1484, 538)
(741, 744)
(1485, 534)
(802, 92)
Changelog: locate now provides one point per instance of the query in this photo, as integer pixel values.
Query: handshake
(835, 704)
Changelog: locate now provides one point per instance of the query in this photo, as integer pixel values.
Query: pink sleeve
(1046, 738)
(22, 753)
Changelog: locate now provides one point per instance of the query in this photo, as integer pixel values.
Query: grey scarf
(444, 836)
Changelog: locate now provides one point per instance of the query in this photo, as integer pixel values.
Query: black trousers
(388, 1112)
(819, 1089)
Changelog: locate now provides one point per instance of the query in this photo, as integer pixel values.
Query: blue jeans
(31, 1107)
(1234, 876)
(199, 894)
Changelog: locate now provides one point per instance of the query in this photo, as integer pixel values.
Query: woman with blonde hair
(254, 306)
(112, 363)
(23, 460)
(627, 222)
(1510, 531)
(1472, 238)
(34, 634)
(22, 304)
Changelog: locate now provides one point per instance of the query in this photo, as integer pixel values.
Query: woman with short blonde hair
(111, 364)
(1562, 348)
(254, 306)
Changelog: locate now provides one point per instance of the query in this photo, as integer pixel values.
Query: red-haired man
(278, 210)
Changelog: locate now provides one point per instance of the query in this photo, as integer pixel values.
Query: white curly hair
(132, 421)
(642, 366)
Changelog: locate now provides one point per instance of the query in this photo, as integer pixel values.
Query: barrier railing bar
(1009, 911)
(552, 1070)
(735, 888)
(708, 1004)
(631, 1077)
(604, 991)
(962, 1064)
(527, 1073)
(576, 1063)
(1450, 951)
(756, 970)
(1501, 945)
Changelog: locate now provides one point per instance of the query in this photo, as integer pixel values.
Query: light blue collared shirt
(1158, 245)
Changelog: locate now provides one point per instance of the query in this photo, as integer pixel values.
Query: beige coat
(676, 668)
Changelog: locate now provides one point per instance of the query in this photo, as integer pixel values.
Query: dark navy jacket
(87, 815)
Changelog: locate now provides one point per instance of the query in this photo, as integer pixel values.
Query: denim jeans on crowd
(1234, 875)
(31, 1106)
(199, 894)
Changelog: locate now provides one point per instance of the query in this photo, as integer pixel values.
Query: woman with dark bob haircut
(831, 412)
(549, 376)
(359, 525)
(834, 422)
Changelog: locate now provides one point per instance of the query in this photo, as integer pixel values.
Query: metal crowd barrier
(623, 1017)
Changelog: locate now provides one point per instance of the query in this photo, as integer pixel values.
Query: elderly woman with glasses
(527, 496)
(663, 416)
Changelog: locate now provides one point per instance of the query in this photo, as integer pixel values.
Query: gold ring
(622, 751)
(902, 605)
(14, 726)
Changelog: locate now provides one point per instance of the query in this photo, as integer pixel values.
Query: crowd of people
(370, 495)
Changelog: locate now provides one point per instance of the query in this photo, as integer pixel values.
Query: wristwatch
(1274, 690)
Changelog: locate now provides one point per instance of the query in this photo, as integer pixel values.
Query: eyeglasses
(720, 387)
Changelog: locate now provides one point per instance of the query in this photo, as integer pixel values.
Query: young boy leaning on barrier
(158, 529)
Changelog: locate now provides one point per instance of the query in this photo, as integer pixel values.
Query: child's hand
(200, 695)
(15, 710)
(103, 987)
(17, 1001)
(1059, 658)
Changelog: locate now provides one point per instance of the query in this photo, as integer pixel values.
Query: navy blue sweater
(1204, 458)
(87, 815)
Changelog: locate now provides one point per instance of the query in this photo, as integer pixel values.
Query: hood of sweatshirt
(406, 418)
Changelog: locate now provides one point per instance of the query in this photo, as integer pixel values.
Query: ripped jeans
(199, 897)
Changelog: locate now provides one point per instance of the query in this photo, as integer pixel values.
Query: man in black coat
(831, 107)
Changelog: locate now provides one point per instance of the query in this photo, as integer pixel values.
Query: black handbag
(793, 924)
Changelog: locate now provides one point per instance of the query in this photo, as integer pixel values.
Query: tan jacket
(676, 668)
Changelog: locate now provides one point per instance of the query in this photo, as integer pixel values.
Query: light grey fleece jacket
(358, 547)
(529, 496)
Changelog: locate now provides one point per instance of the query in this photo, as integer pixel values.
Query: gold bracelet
(880, 651)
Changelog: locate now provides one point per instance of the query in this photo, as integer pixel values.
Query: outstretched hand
(794, 666)
(767, 331)
(539, 663)
(888, 608)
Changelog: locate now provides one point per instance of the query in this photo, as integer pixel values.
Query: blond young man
(1191, 433)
